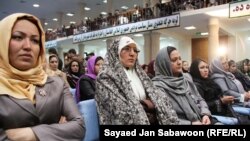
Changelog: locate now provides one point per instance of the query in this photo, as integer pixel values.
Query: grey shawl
(184, 96)
(116, 102)
(218, 72)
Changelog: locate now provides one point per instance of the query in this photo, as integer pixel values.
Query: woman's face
(232, 68)
(24, 46)
(185, 66)
(204, 70)
(224, 63)
(74, 67)
(176, 63)
(129, 55)
(98, 66)
(245, 67)
(53, 63)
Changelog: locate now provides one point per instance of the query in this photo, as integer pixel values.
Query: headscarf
(75, 74)
(217, 68)
(218, 72)
(117, 103)
(16, 83)
(194, 69)
(180, 89)
(91, 67)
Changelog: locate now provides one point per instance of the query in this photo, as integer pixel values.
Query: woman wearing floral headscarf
(125, 94)
(32, 103)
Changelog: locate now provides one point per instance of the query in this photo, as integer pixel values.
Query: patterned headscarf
(13, 82)
(117, 103)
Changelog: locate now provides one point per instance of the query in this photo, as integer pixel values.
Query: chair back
(89, 113)
(73, 92)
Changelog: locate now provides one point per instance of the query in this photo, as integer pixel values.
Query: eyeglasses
(129, 49)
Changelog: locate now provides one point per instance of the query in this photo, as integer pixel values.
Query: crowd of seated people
(135, 14)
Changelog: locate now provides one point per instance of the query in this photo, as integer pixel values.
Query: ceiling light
(49, 29)
(36, 5)
(70, 14)
(72, 22)
(190, 27)
(104, 13)
(163, 38)
(204, 33)
(45, 23)
(124, 7)
(105, 1)
(55, 19)
(87, 8)
(138, 35)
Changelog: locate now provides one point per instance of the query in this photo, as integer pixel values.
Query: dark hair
(52, 51)
(144, 66)
(231, 62)
(35, 22)
(170, 49)
(52, 56)
(98, 58)
(72, 51)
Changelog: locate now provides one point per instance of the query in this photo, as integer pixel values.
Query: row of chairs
(88, 111)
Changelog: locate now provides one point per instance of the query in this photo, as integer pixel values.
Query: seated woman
(227, 81)
(185, 66)
(52, 69)
(125, 94)
(74, 73)
(179, 87)
(218, 103)
(244, 79)
(85, 88)
(32, 103)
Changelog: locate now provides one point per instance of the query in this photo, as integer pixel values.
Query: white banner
(50, 44)
(239, 9)
(153, 24)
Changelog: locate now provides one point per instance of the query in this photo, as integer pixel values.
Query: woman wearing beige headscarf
(31, 102)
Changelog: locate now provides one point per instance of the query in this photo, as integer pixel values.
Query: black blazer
(43, 117)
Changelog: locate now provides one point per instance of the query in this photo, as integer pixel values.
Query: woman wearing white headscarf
(31, 102)
(125, 94)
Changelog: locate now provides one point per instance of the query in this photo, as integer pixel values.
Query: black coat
(87, 88)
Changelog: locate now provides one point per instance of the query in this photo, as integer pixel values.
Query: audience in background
(244, 79)
(86, 84)
(218, 103)
(60, 62)
(185, 67)
(74, 73)
(227, 81)
(53, 70)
